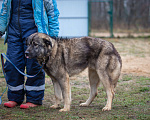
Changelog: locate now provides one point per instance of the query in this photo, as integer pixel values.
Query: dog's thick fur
(66, 57)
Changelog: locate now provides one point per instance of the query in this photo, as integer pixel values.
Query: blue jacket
(45, 16)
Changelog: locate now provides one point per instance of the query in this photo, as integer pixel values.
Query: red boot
(27, 105)
(10, 104)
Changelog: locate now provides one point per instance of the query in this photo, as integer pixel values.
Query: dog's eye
(35, 44)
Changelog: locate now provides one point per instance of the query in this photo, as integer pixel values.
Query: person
(19, 19)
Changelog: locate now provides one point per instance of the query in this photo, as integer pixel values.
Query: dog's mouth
(27, 54)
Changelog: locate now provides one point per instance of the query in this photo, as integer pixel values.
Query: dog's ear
(47, 42)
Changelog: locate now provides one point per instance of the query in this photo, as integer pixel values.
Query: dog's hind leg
(109, 89)
(102, 65)
(94, 83)
(58, 94)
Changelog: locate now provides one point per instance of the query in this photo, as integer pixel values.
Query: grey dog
(63, 58)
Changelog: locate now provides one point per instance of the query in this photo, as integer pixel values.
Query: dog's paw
(106, 108)
(64, 110)
(83, 105)
(54, 106)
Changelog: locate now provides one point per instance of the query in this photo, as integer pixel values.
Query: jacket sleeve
(52, 13)
(3, 18)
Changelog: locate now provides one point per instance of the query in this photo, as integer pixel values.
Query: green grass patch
(132, 101)
(144, 89)
(127, 77)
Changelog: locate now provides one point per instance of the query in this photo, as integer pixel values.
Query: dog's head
(38, 45)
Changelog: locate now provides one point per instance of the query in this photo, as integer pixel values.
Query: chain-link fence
(129, 16)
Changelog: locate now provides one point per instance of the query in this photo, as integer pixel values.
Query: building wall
(73, 18)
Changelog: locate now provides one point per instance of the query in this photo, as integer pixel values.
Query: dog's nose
(26, 53)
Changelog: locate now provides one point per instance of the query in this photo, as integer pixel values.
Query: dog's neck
(43, 61)
(53, 51)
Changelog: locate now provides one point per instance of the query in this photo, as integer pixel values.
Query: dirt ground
(119, 34)
(136, 65)
(135, 54)
(133, 65)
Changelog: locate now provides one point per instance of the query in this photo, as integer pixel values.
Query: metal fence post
(110, 12)
(89, 17)
(111, 18)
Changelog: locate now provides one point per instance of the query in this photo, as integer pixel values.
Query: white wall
(73, 18)
(1, 4)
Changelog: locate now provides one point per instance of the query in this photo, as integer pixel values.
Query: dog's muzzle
(26, 54)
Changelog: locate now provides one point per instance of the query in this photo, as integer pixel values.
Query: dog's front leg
(58, 94)
(66, 92)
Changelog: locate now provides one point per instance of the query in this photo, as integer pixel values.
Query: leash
(2, 62)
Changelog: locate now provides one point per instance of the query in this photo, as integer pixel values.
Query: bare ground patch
(136, 65)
